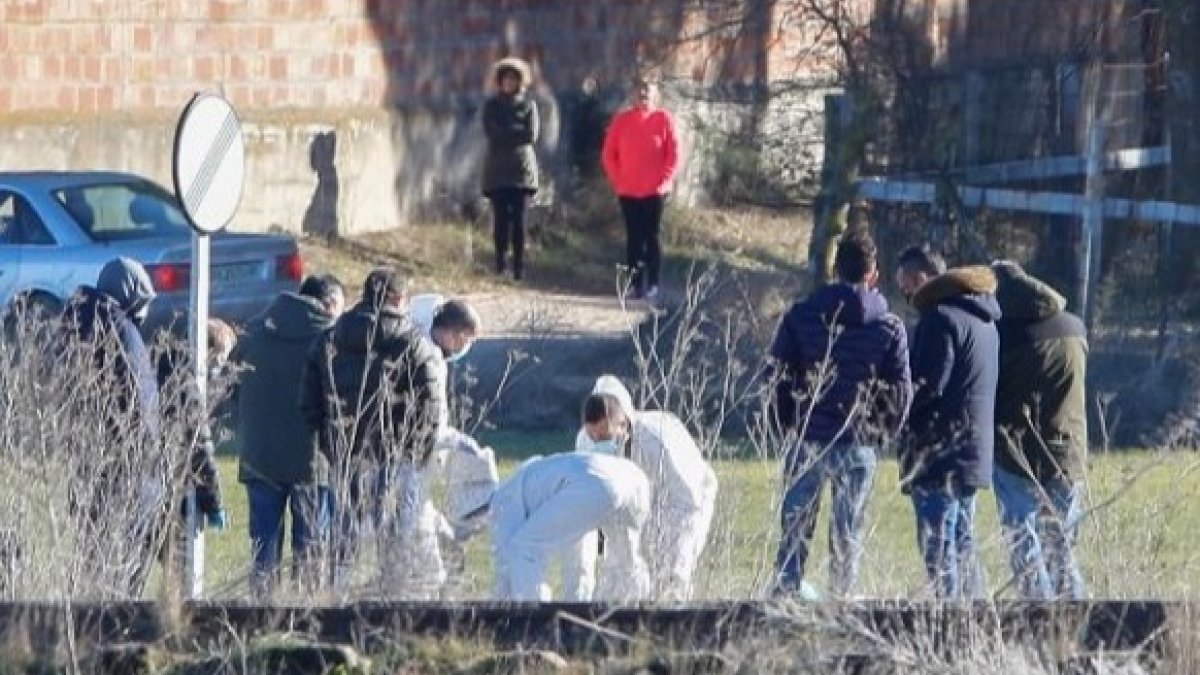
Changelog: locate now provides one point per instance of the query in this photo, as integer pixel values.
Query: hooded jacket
(102, 317)
(511, 126)
(275, 444)
(955, 365)
(372, 387)
(844, 368)
(1041, 406)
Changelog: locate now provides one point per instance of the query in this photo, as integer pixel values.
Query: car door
(27, 251)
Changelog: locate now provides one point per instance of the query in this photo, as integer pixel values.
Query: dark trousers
(643, 253)
(268, 502)
(508, 224)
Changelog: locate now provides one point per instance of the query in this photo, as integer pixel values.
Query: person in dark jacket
(107, 318)
(372, 391)
(191, 427)
(277, 461)
(946, 456)
(1041, 433)
(510, 168)
(99, 342)
(842, 391)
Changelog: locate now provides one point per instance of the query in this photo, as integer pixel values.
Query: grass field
(1138, 539)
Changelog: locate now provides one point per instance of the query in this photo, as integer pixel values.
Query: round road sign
(209, 162)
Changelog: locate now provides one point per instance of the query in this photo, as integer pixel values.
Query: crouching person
(683, 490)
(471, 478)
(552, 501)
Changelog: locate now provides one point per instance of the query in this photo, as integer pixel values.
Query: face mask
(607, 447)
(457, 356)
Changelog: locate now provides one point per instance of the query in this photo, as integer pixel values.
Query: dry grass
(570, 253)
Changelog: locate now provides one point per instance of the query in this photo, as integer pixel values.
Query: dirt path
(522, 312)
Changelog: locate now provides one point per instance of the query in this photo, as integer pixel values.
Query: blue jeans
(850, 470)
(310, 507)
(1040, 523)
(946, 539)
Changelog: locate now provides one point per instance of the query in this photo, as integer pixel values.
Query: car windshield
(122, 211)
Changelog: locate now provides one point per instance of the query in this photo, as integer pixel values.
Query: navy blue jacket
(101, 318)
(955, 366)
(845, 372)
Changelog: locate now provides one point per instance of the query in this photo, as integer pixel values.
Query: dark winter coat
(955, 365)
(174, 370)
(101, 318)
(373, 388)
(511, 126)
(843, 343)
(1041, 403)
(274, 442)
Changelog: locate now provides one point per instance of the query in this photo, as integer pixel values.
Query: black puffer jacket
(373, 388)
(955, 365)
(1041, 402)
(274, 442)
(843, 343)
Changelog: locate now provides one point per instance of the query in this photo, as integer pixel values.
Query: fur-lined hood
(972, 288)
(524, 72)
(1023, 297)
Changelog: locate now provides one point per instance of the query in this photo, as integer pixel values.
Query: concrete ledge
(571, 628)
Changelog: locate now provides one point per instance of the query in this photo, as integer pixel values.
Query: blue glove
(218, 520)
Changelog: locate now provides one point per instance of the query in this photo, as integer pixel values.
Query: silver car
(57, 229)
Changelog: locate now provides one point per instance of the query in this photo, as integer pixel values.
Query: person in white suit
(452, 326)
(683, 493)
(555, 500)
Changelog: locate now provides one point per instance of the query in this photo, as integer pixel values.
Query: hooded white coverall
(683, 491)
(552, 501)
(419, 571)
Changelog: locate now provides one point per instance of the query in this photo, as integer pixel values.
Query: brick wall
(88, 56)
(97, 83)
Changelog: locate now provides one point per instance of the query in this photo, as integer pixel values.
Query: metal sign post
(209, 169)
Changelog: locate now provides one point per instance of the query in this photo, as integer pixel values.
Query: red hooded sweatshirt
(641, 152)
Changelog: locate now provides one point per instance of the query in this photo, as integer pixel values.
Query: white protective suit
(551, 502)
(470, 472)
(417, 571)
(683, 491)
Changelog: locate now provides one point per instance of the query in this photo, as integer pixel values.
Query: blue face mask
(608, 447)
(457, 356)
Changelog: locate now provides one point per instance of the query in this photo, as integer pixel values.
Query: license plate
(236, 273)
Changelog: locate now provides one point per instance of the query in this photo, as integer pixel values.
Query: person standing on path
(641, 158)
(510, 169)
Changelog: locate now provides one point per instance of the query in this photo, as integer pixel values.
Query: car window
(20, 225)
(123, 211)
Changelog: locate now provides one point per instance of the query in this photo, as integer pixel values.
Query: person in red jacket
(641, 157)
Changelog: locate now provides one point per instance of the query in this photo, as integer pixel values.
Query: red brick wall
(85, 56)
(89, 56)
